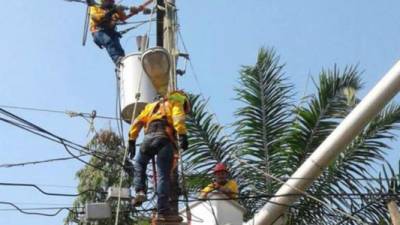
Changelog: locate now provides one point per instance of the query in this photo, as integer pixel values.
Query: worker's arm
(178, 117)
(204, 192)
(120, 14)
(134, 10)
(97, 14)
(230, 189)
(138, 123)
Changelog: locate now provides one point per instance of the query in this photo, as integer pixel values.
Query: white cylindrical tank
(134, 81)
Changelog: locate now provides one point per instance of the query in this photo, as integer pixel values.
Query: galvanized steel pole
(334, 144)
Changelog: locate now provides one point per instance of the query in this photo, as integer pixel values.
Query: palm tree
(273, 135)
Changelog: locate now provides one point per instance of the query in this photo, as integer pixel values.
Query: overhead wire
(67, 112)
(36, 213)
(9, 165)
(48, 193)
(133, 114)
(300, 191)
(268, 175)
(36, 208)
(30, 127)
(54, 139)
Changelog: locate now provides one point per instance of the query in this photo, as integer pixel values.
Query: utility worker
(221, 183)
(163, 121)
(103, 20)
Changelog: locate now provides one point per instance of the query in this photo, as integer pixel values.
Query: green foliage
(105, 143)
(275, 135)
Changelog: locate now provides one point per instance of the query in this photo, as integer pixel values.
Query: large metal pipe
(335, 143)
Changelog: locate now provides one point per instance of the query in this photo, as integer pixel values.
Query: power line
(38, 208)
(42, 204)
(30, 127)
(9, 165)
(36, 213)
(301, 191)
(53, 138)
(67, 112)
(48, 193)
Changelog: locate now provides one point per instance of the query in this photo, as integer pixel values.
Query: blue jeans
(109, 39)
(161, 146)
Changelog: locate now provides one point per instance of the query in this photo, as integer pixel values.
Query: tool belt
(157, 127)
(155, 138)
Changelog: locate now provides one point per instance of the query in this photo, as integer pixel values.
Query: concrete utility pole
(170, 40)
(394, 212)
(169, 43)
(333, 145)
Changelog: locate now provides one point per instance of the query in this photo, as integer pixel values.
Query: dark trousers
(154, 144)
(109, 39)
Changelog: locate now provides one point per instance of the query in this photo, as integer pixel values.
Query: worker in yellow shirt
(103, 20)
(163, 121)
(221, 184)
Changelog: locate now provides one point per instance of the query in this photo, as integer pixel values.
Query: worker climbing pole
(141, 77)
(103, 21)
(163, 120)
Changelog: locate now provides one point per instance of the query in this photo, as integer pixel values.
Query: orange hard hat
(220, 167)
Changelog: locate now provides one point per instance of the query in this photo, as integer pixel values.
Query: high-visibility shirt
(231, 185)
(97, 14)
(170, 110)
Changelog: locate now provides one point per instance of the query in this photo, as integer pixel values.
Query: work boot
(139, 198)
(161, 217)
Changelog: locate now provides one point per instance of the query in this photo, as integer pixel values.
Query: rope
(213, 212)
(185, 194)
(126, 149)
(123, 32)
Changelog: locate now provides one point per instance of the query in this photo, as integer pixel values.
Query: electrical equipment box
(97, 211)
(136, 88)
(114, 192)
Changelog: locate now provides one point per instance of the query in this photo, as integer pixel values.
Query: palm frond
(207, 143)
(262, 121)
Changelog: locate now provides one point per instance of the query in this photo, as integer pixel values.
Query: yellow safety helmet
(181, 97)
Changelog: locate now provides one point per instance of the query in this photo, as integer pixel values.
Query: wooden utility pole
(394, 212)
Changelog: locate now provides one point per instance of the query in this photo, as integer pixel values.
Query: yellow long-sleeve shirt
(231, 185)
(97, 17)
(171, 109)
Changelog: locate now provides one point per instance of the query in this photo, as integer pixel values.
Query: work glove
(216, 186)
(128, 168)
(135, 10)
(147, 11)
(131, 149)
(183, 141)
